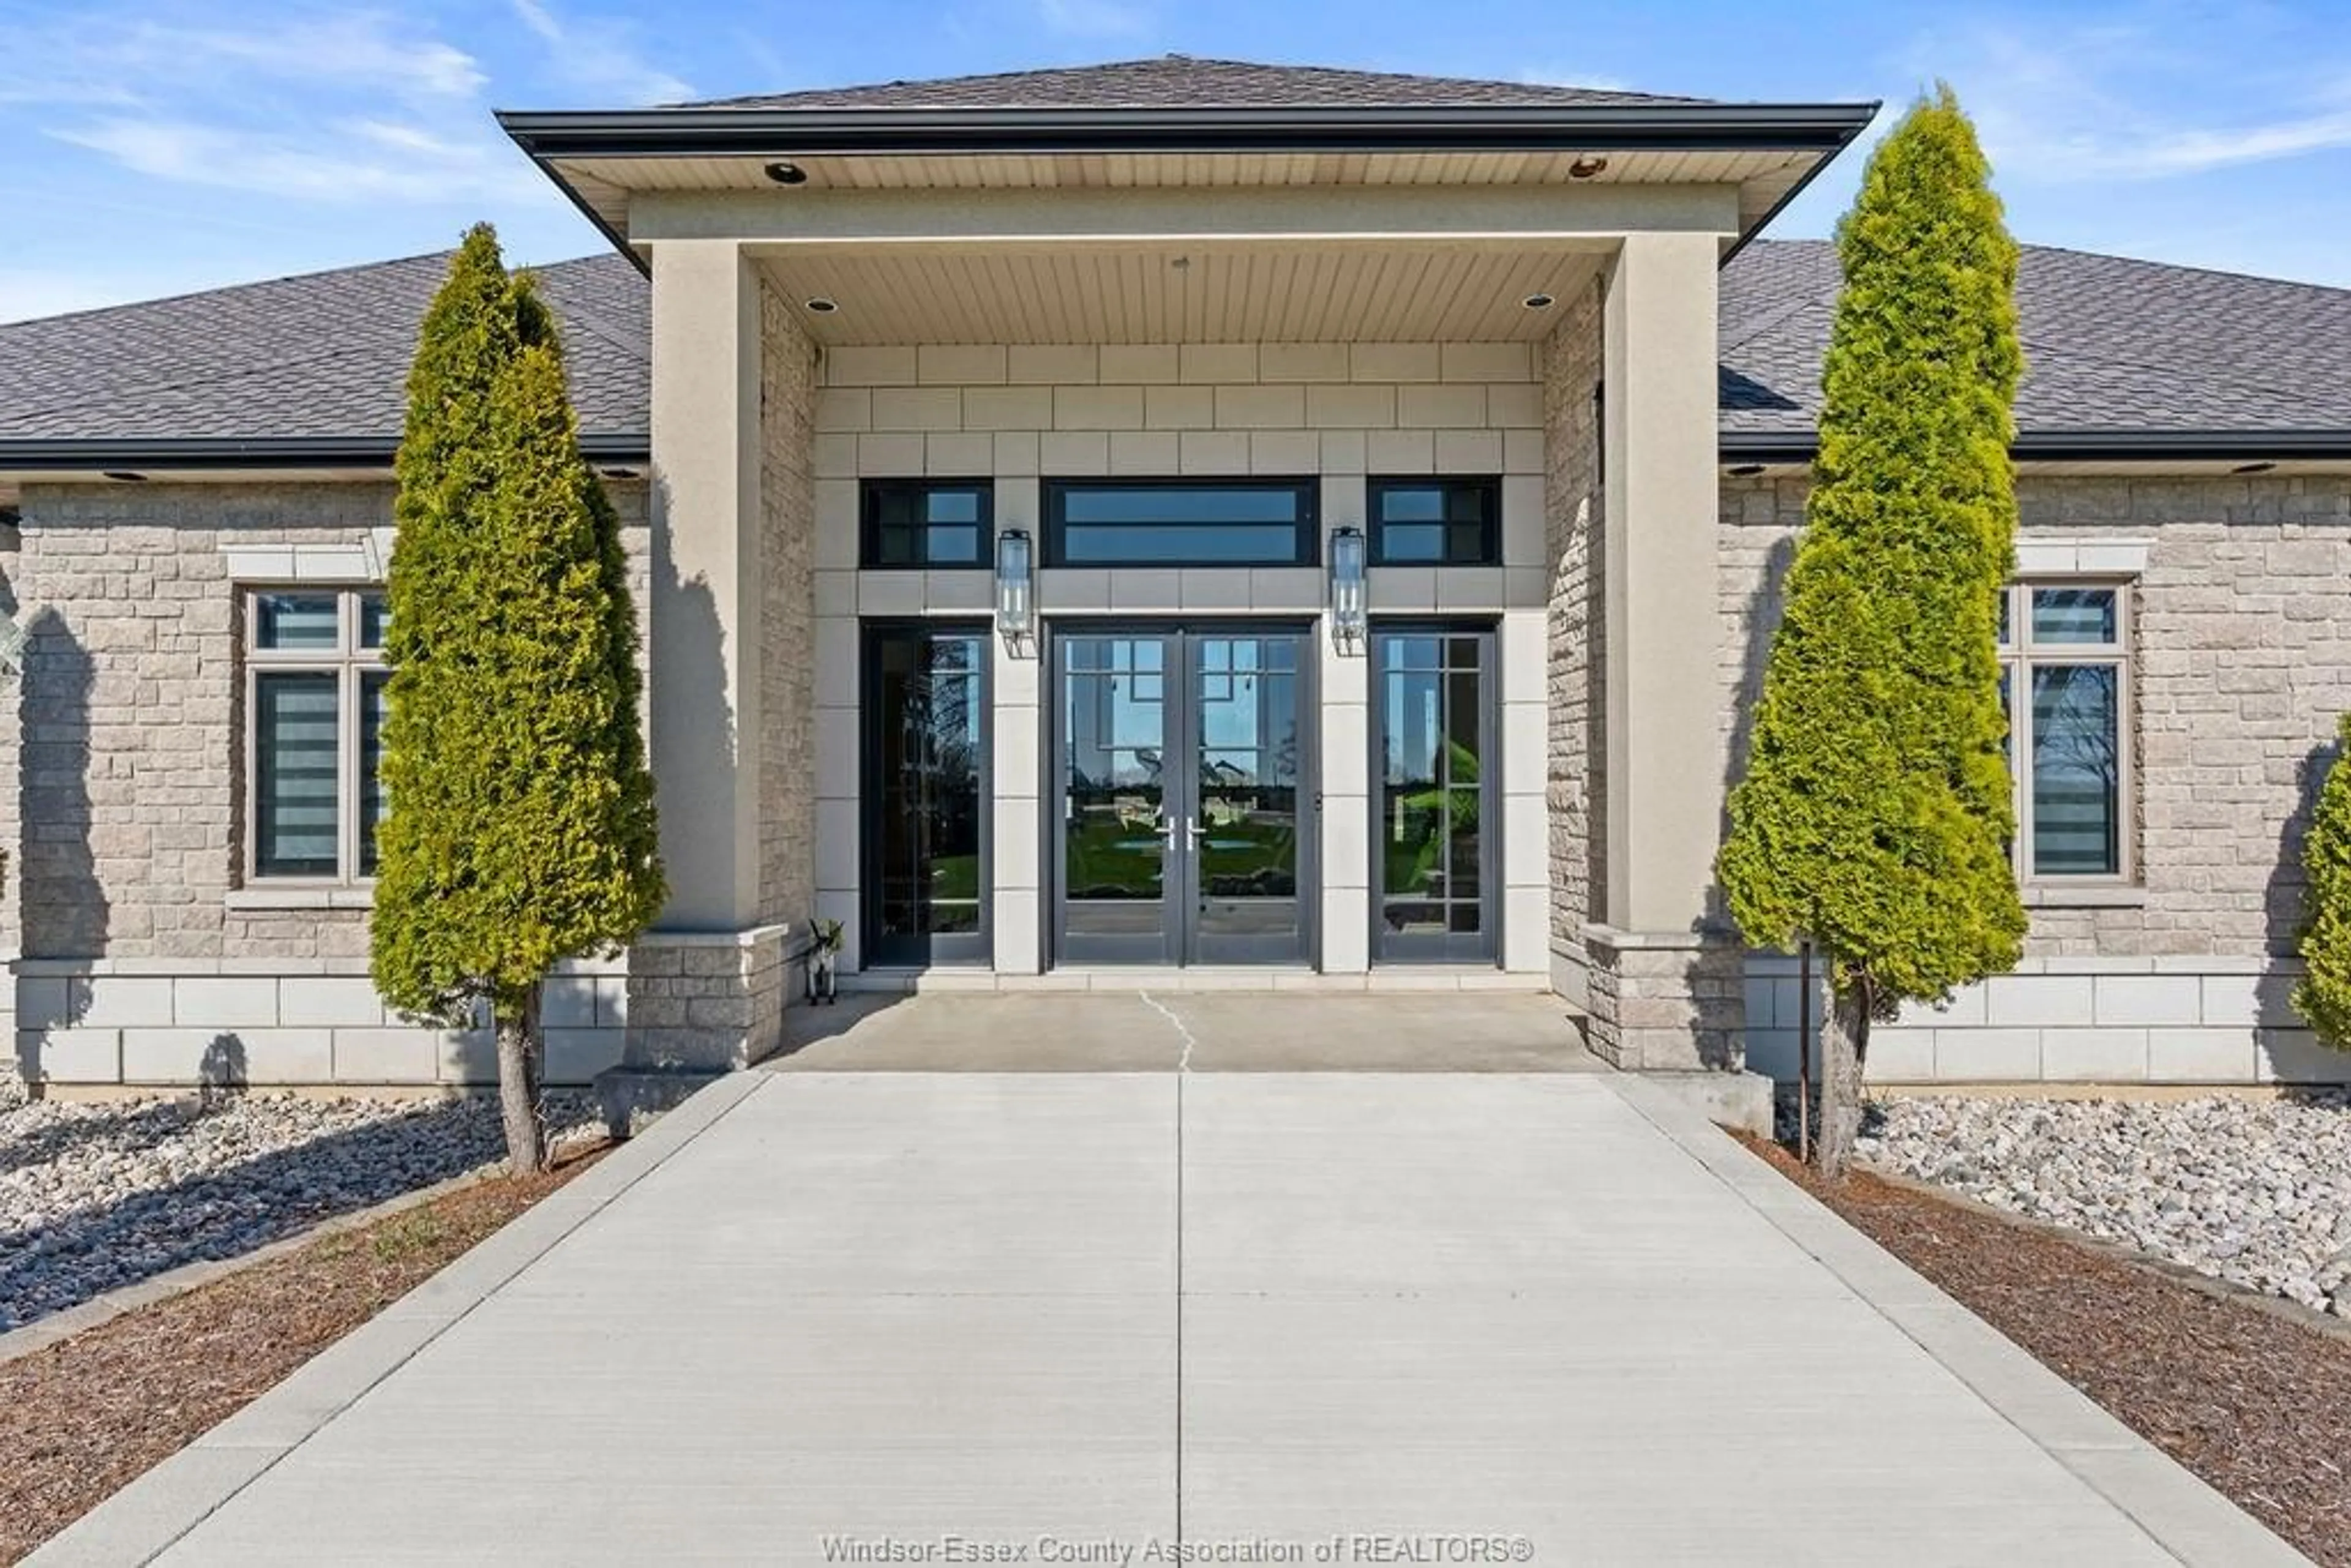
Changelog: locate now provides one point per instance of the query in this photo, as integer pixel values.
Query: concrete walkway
(874, 1307)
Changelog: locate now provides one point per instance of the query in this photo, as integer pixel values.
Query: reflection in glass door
(1245, 795)
(1432, 856)
(1182, 783)
(925, 832)
(1117, 829)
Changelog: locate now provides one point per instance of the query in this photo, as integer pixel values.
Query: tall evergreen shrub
(520, 830)
(1874, 817)
(2322, 997)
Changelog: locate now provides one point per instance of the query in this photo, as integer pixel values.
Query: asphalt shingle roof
(1177, 81)
(2110, 344)
(2114, 344)
(321, 355)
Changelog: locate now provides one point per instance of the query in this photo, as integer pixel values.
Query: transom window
(2064, 651)
(315, 706)
(927, 522)
(1170, 522)
(1435, 522)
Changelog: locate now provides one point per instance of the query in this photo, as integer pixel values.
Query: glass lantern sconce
(1350, 598)
(1016, 594)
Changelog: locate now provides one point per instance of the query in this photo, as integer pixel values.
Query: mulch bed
(2257, 1405)
(91, 1414)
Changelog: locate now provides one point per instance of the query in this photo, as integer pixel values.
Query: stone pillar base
(708, 1002)
(1668, 1001)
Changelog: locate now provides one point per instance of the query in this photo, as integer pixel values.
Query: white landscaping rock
(2256, 1192)
(94, 1196)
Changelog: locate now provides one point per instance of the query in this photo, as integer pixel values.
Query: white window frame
(350, 664)
(2019, 656)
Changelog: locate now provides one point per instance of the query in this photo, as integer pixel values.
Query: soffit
(1228, 295)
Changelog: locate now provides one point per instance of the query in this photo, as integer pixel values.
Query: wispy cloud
(94, 58)
(2132, 95)
(598, 56)
(340, 162)
(322, 106)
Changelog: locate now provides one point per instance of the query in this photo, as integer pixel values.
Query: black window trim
(1489, 551)
(869, 522)
(1307, 550)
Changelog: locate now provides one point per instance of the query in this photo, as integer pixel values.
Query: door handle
(1191, 835)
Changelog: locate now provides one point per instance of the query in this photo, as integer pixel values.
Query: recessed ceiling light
(125, 476)
(1746, 470)
(820, 305)
(1585, 168)
(1537, 302)
(2252, 469)
(786, 173)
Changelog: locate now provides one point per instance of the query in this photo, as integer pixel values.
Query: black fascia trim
(785, 133)
(2090, 445)
(202, 453)
(1820, 166)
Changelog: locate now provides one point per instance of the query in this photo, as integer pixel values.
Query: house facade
(1174, 524)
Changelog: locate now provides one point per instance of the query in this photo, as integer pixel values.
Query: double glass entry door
(1184, 826)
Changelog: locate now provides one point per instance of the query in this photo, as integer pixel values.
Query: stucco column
(705, 599)
(1660, 965)
(705, 984)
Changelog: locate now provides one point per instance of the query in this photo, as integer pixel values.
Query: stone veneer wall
(787, 619)
(1575, 516)
(140, 953)
(2242, 666)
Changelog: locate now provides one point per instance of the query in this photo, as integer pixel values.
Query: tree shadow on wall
(62, 906)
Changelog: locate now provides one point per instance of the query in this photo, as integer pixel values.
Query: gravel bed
(2256, 1192)
(94, 1197)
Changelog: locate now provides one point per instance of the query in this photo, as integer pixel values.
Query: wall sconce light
(1016, 599)
(1350, 598)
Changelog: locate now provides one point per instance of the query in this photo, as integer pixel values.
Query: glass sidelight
(1433, 854)
(1185, 832)
(926, 798)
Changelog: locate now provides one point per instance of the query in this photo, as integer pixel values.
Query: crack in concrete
(1183, 1061)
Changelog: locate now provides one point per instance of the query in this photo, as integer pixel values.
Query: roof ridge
(2200, 267)
(1771, 242)
(1146, 62)
(216, 292)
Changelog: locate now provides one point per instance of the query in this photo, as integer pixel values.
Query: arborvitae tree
(2323, 996)
(521, 828)
(1874, 819)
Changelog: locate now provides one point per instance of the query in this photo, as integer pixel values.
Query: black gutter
(200, 454)
(2093, 446)
(1820, 167)
(1475, 127)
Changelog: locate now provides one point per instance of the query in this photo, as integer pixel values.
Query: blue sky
(151, 147)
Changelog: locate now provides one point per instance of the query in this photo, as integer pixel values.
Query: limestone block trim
(182, 1023)
(2083, 556)
(272, 896)
(2172, 1019)
(364, 562)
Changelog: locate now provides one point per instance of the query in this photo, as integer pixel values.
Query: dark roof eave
(205, 454)
(2091, 445)
(776, 133)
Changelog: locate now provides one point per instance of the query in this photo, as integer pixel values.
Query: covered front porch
(1187, 407)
